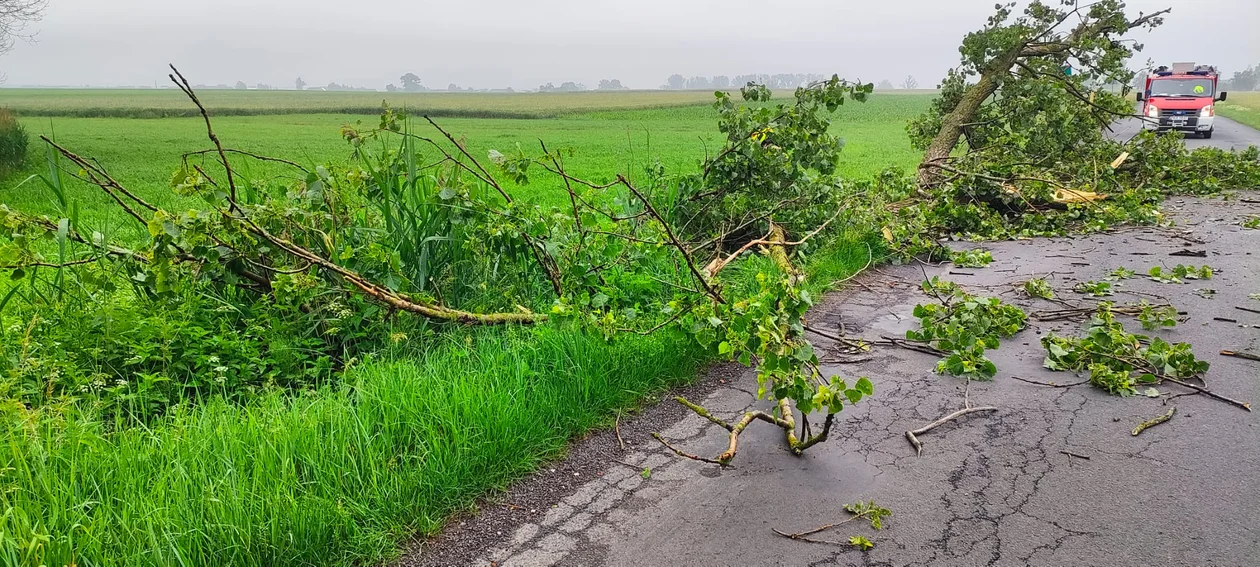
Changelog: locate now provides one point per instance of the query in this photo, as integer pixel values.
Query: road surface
(1227, 134)
(1053, 478)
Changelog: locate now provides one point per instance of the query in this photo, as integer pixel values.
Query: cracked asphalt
(989, 489)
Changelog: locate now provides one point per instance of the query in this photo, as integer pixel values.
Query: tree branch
(183, 85)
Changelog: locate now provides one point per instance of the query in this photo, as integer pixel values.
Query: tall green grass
(13, 142)
(329, 478)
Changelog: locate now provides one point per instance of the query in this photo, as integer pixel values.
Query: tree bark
(952, 124)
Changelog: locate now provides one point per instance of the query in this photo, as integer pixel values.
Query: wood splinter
(1153, 422)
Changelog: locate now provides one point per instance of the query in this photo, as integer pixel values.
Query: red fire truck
(1181, 98)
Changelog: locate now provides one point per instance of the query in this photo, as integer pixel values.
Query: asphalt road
(1227, 134)
(989, 489)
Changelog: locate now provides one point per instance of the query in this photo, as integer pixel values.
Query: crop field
(1243, 107)
(169, 102)
(334, 468)
(142, 154)
(156, 103)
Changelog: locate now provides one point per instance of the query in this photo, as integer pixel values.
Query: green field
(341, 474)
(142, 154)
(1243, 107)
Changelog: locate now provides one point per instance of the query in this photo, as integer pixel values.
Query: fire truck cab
(1181, 98)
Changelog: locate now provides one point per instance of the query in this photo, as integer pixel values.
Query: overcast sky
(497, 43)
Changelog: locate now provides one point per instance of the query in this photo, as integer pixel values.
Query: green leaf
(805, 353)
(861, 542)
(865, 386)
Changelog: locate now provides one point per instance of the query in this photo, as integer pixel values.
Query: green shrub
(136, 356)
(13, 141)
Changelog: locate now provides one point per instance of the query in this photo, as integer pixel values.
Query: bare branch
(248, 154)
(912, 435)
(183, 85)
(101, 178)
(488, 178)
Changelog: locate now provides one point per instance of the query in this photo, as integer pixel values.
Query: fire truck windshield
(1182, 87)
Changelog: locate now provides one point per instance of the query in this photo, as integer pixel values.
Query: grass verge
(334, 477)
(1243, 107)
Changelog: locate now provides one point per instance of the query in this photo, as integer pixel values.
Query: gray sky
(496, 43)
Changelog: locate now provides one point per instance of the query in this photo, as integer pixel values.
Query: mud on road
(989, 489)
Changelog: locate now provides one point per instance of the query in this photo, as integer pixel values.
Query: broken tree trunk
(952, 124)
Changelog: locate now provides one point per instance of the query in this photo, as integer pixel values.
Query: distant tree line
(777, 81)
(565, 87)
(570, 86)
(1245, 80)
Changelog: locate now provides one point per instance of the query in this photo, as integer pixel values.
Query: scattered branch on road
(1119, 361)
(682, 453)
(861, 510)
(1051, 384)
(1208, 393)
(1242, 355)
(1085, 312)
(912, 435)
(617, 430)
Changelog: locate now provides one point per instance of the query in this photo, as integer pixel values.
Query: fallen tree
(1016, 144)
(411, 233)
(1045, 73)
